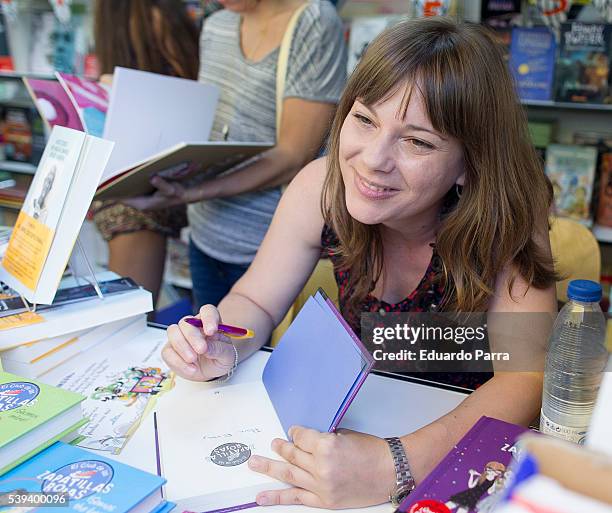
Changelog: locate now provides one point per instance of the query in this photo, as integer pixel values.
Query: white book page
(149, 113)
(207, 438)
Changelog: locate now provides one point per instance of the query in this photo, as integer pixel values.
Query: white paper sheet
(206, 440)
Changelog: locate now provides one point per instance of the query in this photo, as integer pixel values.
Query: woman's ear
(461, 179)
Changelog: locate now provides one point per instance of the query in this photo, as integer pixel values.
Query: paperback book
(471, 476)
(33, 415)
(54, 209)
(91, 483)
(532, 61)
(571, 170)
(583, 69)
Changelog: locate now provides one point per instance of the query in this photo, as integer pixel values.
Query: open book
(161, 125)
(54, 209)
(309, 380)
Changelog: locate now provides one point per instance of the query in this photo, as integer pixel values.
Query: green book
(32, 417)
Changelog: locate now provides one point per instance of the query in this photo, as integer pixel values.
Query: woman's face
(396, 170)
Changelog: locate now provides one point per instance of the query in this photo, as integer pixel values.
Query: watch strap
(404, 482)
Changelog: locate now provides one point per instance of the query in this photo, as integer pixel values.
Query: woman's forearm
(239, 310)
(275, 167)
(513, 397)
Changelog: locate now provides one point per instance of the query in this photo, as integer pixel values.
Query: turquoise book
(89, 482)
(32, 417)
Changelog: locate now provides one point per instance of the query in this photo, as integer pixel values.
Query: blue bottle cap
(584, 290)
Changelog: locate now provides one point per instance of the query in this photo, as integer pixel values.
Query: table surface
(407, 407)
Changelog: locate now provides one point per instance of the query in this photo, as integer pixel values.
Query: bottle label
(571, 434)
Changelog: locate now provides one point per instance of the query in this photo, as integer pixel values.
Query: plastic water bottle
(575, 363)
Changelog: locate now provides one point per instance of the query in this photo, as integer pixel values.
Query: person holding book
(432, 198)
(155, 36)
(239, 52)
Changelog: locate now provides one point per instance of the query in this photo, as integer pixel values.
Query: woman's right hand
(199, 354)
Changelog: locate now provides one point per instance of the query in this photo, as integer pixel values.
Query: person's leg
(209, 285)
(140, 255)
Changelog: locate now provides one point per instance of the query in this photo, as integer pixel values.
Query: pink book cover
(53, 103)
(90, 100)
(472, 475)
(86, 93)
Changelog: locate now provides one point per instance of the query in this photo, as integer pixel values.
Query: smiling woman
(431, 198)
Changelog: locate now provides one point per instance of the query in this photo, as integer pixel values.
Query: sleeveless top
(426, 297)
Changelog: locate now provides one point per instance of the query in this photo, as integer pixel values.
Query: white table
(407, 406)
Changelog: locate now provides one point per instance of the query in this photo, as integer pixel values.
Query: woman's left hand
(328, 470)
(168, 194)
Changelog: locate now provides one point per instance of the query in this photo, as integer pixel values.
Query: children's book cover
(571, 169)
(583, 68)
(90, 483)
(469, 479)
(532, 61)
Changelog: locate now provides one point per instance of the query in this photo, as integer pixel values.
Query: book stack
(77, 480)
(33, 415)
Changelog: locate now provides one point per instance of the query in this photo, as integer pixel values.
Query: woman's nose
(377, 155)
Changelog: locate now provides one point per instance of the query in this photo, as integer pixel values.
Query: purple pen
(230, 331)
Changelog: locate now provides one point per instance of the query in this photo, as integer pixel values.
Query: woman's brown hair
(468, 94)
(149, 35)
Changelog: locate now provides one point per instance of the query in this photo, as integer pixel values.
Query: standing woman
(239, 52)
(155, 36)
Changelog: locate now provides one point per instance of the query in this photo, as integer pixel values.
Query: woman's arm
(260, 299)
(350, 469)
(511, 396)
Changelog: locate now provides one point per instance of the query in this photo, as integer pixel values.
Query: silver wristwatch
(404, 482)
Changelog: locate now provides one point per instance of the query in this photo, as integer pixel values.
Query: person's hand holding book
(327, 470)
(170, 194)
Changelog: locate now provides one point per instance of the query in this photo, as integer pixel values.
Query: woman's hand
(199, 354)
(346, 469)
(168, 194)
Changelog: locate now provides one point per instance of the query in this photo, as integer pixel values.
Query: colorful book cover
(93, 483)
(532, 61)
(470, 477)
(571, 169)
(90, 100)
(583, 68)
(26, 405)
(53, 103)
(604, 207)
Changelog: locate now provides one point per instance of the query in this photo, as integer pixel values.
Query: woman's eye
(362, 119)
(421, 145)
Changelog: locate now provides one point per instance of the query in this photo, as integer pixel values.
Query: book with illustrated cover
(33, 416)
(583, 68)
(92, 483)
(52, 214)
(471, 476)
(571, 169)
(532, 61)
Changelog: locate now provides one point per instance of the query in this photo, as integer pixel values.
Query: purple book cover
(471, 476)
